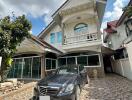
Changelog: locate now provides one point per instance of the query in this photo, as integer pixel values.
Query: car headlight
(67, 88)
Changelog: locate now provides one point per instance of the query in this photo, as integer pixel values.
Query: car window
(68, 70)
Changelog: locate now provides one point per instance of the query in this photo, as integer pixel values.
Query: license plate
(44, 97)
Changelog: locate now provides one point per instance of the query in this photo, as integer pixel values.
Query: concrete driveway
(112, 87)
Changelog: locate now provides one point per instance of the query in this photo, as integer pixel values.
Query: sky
(39, 11)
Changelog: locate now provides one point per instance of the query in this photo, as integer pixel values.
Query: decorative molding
(75, 9)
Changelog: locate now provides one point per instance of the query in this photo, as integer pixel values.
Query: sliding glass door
(36, 67)
(18, 68)
(25, 67)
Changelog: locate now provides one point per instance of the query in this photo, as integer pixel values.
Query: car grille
(45, 90)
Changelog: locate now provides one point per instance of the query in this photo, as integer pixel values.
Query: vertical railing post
(82, 38)
(0, 61)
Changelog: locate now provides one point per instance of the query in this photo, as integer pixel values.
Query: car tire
(77, 93)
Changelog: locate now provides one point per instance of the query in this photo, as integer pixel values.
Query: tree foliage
(13, 30)
(128, 10)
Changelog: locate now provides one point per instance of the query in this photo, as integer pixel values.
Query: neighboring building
(75, 32)
(118, 37)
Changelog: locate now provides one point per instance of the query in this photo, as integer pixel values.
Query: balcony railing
(81, 38)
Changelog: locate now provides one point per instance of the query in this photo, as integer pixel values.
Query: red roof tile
(112, 23)
(109, 30)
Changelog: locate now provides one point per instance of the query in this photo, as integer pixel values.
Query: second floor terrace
(82, 41)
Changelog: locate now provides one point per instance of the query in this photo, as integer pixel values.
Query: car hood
(58, 80)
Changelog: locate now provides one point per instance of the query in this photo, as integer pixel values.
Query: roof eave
(123, 16)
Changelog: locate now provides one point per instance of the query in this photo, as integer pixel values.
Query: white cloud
(115, 13)
(36, 8)
(107, 14)
(103, 26)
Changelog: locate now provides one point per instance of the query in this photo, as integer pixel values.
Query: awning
(35, 45)
(30, 46)
(107, 51)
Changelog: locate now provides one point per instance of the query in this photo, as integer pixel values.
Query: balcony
(82, 41)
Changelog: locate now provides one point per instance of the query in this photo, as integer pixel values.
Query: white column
(0, 61)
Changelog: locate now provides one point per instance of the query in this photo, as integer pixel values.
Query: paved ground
(112, 87)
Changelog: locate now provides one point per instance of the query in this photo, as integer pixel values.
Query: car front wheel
(78, 93)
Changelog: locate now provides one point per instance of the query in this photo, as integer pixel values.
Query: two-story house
(73, 37)
(75, 30)
(117, 37)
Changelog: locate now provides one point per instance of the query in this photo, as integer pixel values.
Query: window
(71, 61)
(61, 61)
(82, 60)
(36, 67)
(50, 64)
(81, 27)
(93, 60)
(120, 54)
(52, 38)
(11, 72)
(59, 37)
(18, 68)
(28, 67)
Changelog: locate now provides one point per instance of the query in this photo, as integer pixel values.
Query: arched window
(82, 27)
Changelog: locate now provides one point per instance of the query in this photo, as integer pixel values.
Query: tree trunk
(4, 70)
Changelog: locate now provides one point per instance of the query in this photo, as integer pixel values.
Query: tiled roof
(109, 30)
(112, 23)
(44, 43)
(110, 26)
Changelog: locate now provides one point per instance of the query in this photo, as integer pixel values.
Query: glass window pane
(48, 64)
(52, 38)
(93, 60)
(53, 64)
(61, 61)
(81, 28)
(11, 72)
(59, 37)
(82, 60)
(36, 67)
(71, 61)
(27, 67)
(18, 68)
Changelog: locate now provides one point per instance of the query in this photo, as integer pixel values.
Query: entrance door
(107, 64)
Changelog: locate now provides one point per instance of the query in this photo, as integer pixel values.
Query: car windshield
(68, 70)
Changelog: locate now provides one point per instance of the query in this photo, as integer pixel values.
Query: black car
(65, 84)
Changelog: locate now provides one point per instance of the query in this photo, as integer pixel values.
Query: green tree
(13, 30)
(128, 10)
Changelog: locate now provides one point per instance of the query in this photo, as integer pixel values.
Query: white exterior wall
(47, 37)
(69, 28)
(118, 38)
(129, 50)
(122, 67)
(74, 3)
